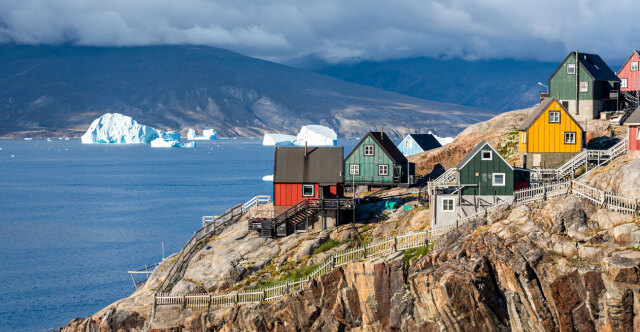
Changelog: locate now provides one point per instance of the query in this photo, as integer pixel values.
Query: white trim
(452, 202)
(482, 152)
(353, 167)
(633, 64)
(493, 180)
(313, 190)
(584, 86)
(624, 83)
(637, 132)
(571, 65)
(373, 149)
(555, 112)
(386, 168)
(575, 135)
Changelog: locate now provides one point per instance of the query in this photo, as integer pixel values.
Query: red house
(629, 74)
(301, 173)
(633, 138)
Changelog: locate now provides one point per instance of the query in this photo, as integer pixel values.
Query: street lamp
(544, 86)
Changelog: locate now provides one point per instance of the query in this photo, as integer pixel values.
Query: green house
(483, 172)
(585, 87)
(376, 161)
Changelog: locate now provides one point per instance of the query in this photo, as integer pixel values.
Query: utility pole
(577, 83)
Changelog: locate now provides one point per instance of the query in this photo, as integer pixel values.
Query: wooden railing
(379, 247)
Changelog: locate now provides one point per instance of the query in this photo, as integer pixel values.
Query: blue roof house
(416, 143)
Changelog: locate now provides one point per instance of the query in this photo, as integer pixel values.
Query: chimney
(381, 134)
(305, 149)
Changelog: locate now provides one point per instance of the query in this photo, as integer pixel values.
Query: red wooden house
(632, 123)
(301, 173)
(629, 74)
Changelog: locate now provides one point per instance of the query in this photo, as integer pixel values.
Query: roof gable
(592, 64)
(475, 151)
(320, 165)
(635, 52)
(540, 109)
(386, 144)
(425, 141)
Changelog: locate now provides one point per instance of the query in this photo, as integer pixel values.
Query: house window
(486, 155)
(498, 179)
(354, 169)
(368, 149)
(571, 69)
(584, 86)
(383, 169)
(554, 117)
(623, 83)
(634, 66)
(308, 190)
(523, 137)
(637, 132)
(565, 104)
(447, 204)
(570, 137)
(408, 144)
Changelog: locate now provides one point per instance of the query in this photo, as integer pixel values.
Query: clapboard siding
(563, 86)
(368, 164)
(485, 169)
(546, 137)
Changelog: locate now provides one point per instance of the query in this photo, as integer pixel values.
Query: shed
(633, 134)
(300, 173)
(417, 143)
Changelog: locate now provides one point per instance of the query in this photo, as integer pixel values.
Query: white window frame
(384, 167)
(313, 190)
(451, 207)
(408, 144)
(523, 139)
(623, 83)
(584, 86)
(637, 132)
(573, 66)
(493, 180)
(354, 169)
(553, 119)
(568, 134)
(485, 151)
(369, 150)
(634, 65)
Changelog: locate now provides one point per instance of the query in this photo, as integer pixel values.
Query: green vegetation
(416, 253)
(291, 276)
(326, 245)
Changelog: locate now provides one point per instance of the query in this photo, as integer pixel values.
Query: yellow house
(549, 136)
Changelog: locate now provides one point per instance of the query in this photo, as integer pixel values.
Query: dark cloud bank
(335, 30)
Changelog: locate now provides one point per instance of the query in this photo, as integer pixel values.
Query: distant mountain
(59, 90)
(497, 85)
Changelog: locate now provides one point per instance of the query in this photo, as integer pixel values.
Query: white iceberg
(162, 143)
(315, 135)
(207, 135)
(28, 138)
(278, 140)
(442, 140)
(118, 128)
(267, 178)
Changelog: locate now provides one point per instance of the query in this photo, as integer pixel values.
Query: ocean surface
(75, 218)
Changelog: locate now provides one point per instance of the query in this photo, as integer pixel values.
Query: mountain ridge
(59, 90)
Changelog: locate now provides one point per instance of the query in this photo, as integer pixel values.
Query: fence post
(333, 262)
(264, 294)
(364, 251)
(237, 299)
(209, 303)
(184, 301)
(395, 244)
(602, 198)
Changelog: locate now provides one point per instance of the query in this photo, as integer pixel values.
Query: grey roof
(598, 69)
(475, 151)
(634, 118)
(426, 141)
(541, 108)
(322, 165)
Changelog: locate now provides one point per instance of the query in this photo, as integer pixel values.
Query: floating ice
(28, 138)
(118, 128)
(278, 140)
(315, 135)
(268, 178)
(49, 140)
(442, 140)
(162, 143)
(207, 135)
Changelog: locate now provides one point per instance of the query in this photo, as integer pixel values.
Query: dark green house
(376, 161)
(585, 87)
(483, 172)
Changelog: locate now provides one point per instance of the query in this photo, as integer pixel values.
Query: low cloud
(336, 30)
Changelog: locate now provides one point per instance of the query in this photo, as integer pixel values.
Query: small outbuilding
(633, 132)
(549, 136)
(300, 173)
(417, 143)
(376, 161)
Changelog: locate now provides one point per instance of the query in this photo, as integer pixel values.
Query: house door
(397, 173)
(325, 192)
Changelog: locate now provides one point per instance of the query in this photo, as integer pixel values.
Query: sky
(336, 31)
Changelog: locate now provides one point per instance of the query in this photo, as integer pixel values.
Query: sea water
(75, 218)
